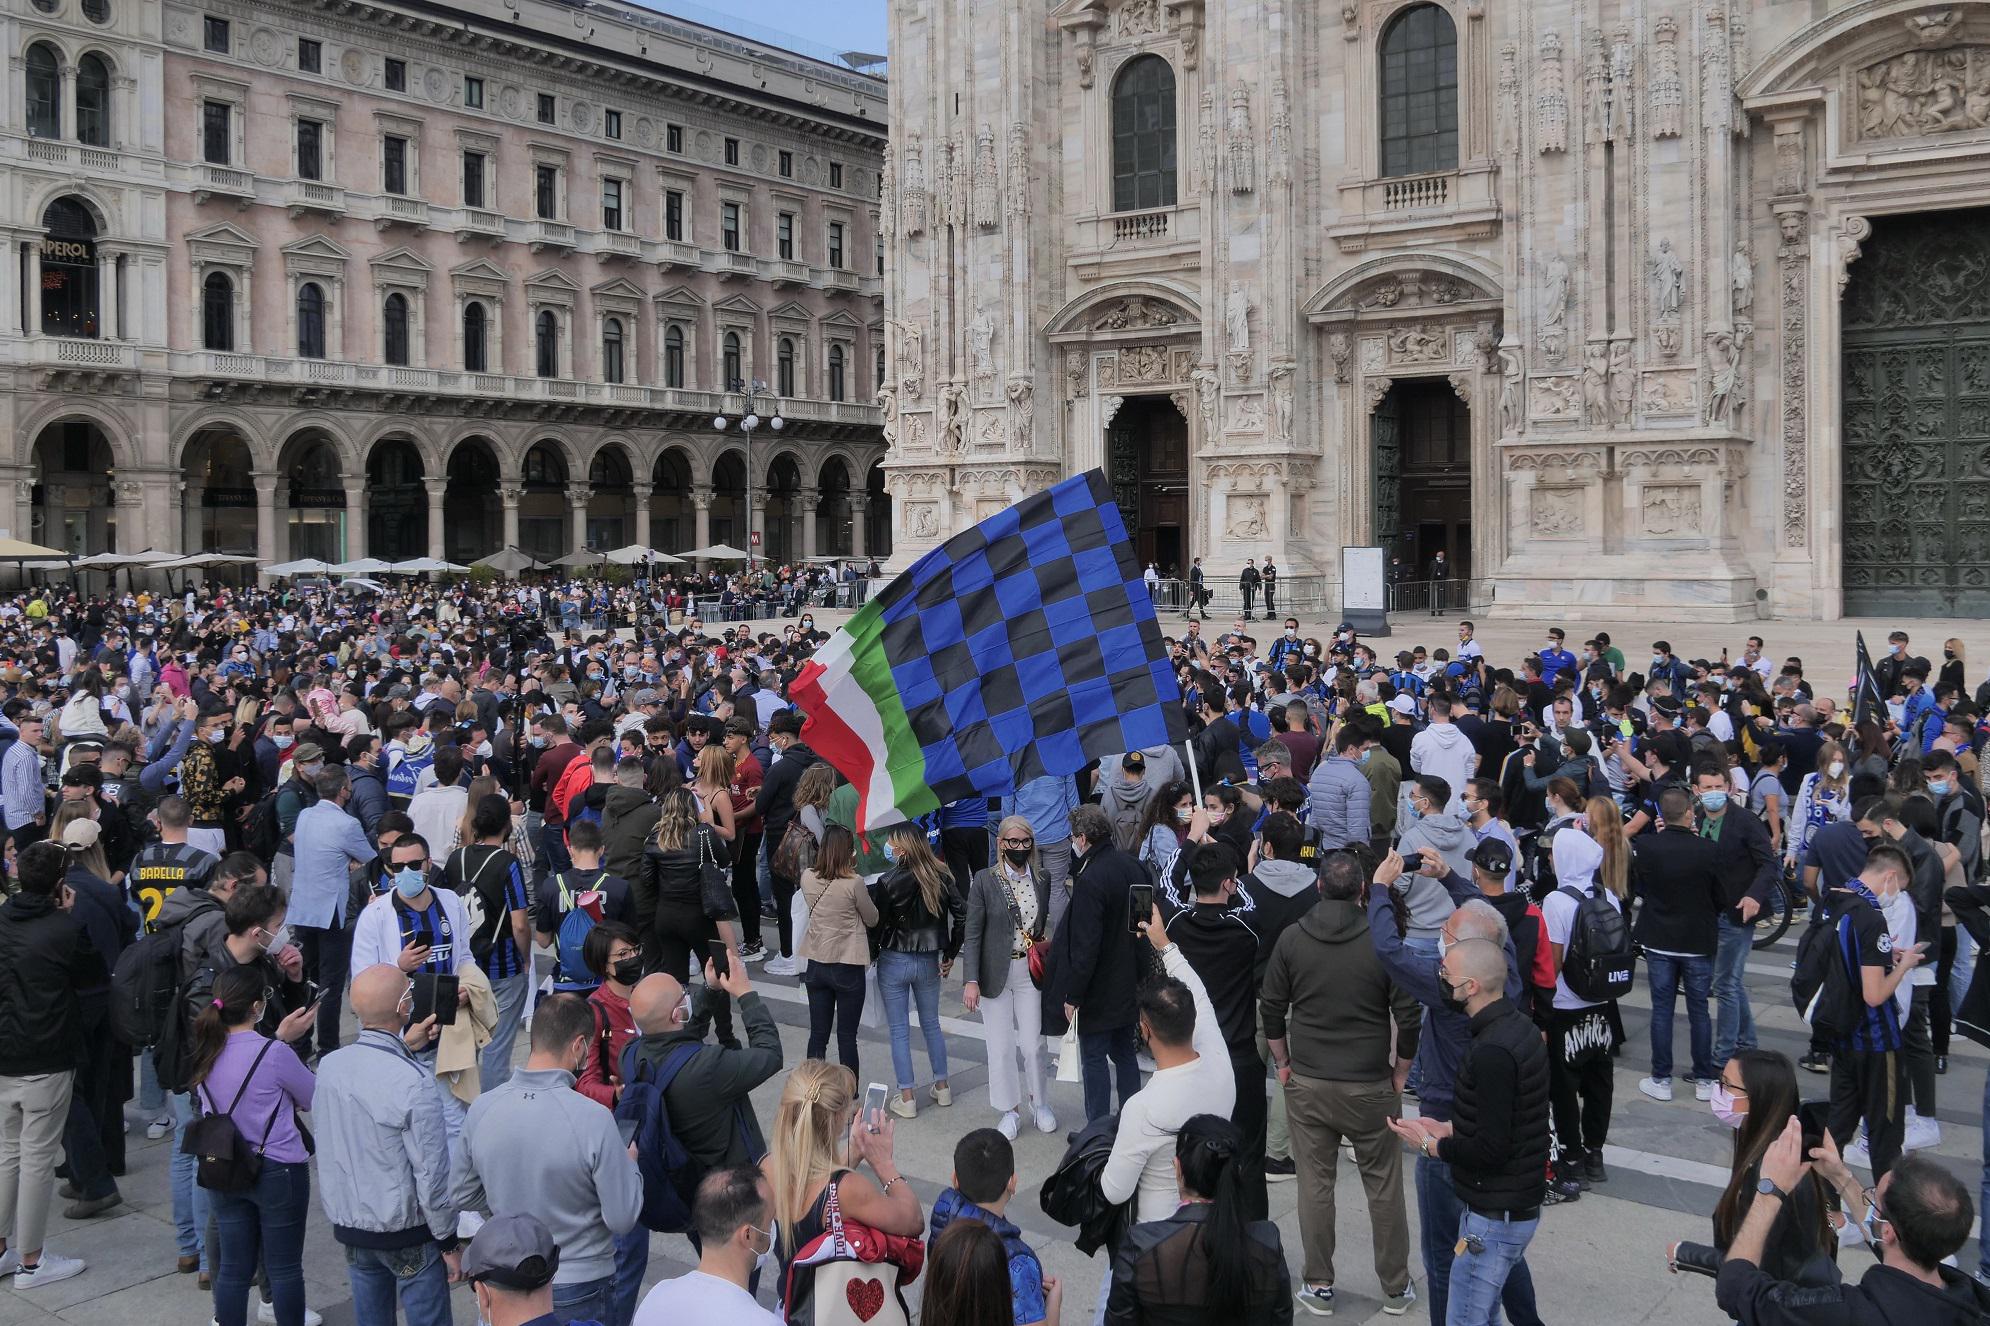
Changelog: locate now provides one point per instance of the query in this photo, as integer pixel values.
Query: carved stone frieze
(1671, 509)
(1551, 98)
(1554, 399)
(1555, 513)
(1920, 93)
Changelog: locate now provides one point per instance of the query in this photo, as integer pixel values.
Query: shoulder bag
(1036, 949)
(714, 881)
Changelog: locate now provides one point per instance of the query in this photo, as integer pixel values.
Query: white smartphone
(874, 1098)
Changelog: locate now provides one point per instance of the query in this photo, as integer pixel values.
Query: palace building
(1680, 305)
(347, 278)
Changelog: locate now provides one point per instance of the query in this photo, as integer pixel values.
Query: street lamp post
(749, 423)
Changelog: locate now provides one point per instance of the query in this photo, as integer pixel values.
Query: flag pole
(1195, 774)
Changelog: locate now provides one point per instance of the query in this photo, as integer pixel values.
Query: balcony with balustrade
(1439, 205)
(313, 197)
(397, 210)
(1122, 243)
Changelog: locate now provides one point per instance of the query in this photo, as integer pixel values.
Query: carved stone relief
(1664, 392)
(1280, 379)
(1135, 314)
(1668, 97)
(1245, 514)
(980, 350)
(1242, 142)
(1793, 270)
(1596, 384)
(1022, 414)
(1339, 348)
(1208, 392)
(988, 432)
(1918, 93)
(1375, 391)
(987, 184)
(1623, 383)
(1553, 399)
(953, 418)
(1139, 18)
(1672, 509)
(1554, 309)
(1555, 513)
(1246, 414)
(1667, 275)
(1415, 345)
(1551, 101)
(1075, 386)
(1724, 380)
(1513, 385)
(924, 520)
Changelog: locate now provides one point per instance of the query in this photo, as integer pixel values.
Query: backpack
(262, 832)
(145, 987)
(576, 924)
(223, 1160)
(1537, 862)
(484, 923)
(670, 1175)
(1598, 961)
(1126, 828)
(1820, 986)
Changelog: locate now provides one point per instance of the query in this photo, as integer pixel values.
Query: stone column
(355, 517)
(34, 289)
(129, 497)
(191, 496)
(24, 509)
(640, 495)
(701, 500)
(578, 496)
(510, 496)
(860, 510)
(810, 501)
(266, 483)
(435, 488)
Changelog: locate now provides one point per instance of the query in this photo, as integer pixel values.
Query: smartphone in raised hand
(874, 1098)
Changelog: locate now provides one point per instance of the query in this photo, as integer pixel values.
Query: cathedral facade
(1679, 304)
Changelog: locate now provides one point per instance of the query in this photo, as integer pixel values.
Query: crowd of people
(295, 874)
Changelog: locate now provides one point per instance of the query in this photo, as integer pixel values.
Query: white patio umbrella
(635, 555)
(363, 566)
(585, 557)
(421, 566)
(15, 550)
(205, 559)
(718, 552)
(510, 561)
(303, 566)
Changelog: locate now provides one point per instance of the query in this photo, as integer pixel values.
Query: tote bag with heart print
(851, 1275)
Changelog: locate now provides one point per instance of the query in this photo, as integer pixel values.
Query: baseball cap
(82, 833)
(644, 696)
(1491, 855)
(1668, 705)
(516, 1251)
(307, 753)
(1403, 703)
(1133, 759)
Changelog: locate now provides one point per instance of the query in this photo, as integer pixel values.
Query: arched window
(93, 102)
(310, 321)
(784, 368)
(394, 331)
(548, 344)
(69, 270)
(476, 358)
(44, 93)
(836, 373)
(217, 312)
(611, 350)
(880, 368)
(673, 356)
(1419, 112)
(730, 369)
(1143, 135)
(97, 11)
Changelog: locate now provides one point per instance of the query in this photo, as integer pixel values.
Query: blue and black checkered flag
(1026, 646)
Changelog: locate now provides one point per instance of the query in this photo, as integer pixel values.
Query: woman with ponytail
(260, 1084)
(1208, 1261)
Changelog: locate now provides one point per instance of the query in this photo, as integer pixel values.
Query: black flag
(1866, 699)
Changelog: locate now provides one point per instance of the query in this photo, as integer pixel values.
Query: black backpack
(1820, 986)
(224, 1161)
(262, 832)
(1537, 861)
(145, 987)
(1598, 962)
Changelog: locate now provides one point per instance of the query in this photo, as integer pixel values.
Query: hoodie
(1327, 996)
(1025, 1269)
(1443, 751)
(1121, 799)
(1577, 858)
(628, 818)
(1448, 833)
(1280, 893)
(204, 924)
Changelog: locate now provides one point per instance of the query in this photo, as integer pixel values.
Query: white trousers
(1014, 1022)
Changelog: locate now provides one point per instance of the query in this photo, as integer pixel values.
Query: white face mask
(1837, 769)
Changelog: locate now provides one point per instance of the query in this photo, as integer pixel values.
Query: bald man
(384, 1154)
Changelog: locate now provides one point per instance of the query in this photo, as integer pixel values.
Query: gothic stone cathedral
(1681, 303)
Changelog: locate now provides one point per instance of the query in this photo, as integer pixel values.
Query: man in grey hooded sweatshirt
(1440, 826)
(1442, 750)
(1126, 785)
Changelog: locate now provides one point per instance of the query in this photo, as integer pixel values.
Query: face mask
(1312, 651)
(276, 939)
(761, 1260)
(1871, 1223)
(890, 852)
(282, 742)
(216, 737)
(1443, 946)
(310, 770)
(409, 881)
(1722, 1102)
(1449, 997)
(1836, 770)
(537, 742)
(1363, 757)
(1948, 653)
(1658, 660)
(1017, 856)
(1713, 802)
(628, 971)
(1554, 644)
(1183, 816)
(1938, 787)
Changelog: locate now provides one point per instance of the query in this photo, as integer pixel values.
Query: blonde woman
(1008, 906)
(1952, 667)
(817, 1142)
(713, 789)
(812, 791)
(1823, 797)
(921, 920)
(836, 945)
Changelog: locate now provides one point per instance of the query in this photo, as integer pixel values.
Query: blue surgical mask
(409, 881)
(1713, 802)
(890, 852)
(1363, 757)
(1938, 787)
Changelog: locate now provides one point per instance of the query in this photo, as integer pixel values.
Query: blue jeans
(904, 978)
(265, 1221)
(1734, 1025)
(1478, 1278)
(494, 1060)
(414, 1277)
(587, 1300)
(189, 1198)
(151, 1096)
(1102, 1055)
(553, 842)
(1665, 974)
(1983, 1240)
(1440, 1212)
(763, 872)
(632, 1260)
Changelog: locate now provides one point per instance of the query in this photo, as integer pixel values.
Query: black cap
(1133, 759)
(1492, 855)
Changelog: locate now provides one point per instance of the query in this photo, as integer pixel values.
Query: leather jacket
(905, 924)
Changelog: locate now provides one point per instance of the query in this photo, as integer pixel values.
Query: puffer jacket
(906, 925)
(45, 960)
(1337, 802)
(383, 1154)
(628, 821)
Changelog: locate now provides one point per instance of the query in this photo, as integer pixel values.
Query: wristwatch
(1768, 1189)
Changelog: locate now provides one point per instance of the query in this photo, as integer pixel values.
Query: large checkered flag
(1866, 699)
(1025, 646)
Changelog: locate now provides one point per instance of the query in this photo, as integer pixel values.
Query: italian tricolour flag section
(857, 722)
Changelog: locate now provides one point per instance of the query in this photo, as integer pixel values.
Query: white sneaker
(1658, 1088)
(159, 1127)
(48, 1270)
(782, 967)
(1046, 1122)
(10, 1262)
(1857, 1154)
(1921, 1133)
(1703, 1088)
(266, 1312)
(1012, 1123)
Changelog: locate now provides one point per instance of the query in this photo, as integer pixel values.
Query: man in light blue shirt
(1047, 803)
(22, 791)
(327, 844)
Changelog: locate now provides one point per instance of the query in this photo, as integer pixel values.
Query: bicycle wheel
(1775, 923)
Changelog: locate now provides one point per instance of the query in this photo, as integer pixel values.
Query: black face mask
(628, 971)
(1446, 995)
(1017, 856)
